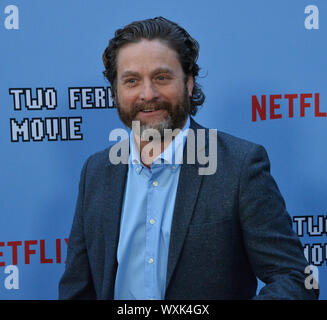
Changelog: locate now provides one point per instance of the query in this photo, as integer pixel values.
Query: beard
(177, 114)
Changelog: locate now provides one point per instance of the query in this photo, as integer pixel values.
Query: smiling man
(155, 228)
(152, 89)
(151, 86)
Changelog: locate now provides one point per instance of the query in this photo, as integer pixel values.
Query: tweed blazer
(229, 228)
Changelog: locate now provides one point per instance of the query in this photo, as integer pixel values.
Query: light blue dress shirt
(146, 219)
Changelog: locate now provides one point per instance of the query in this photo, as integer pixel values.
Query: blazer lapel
(187, 193)
(113, 197)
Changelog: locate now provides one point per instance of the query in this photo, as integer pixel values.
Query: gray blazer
(228, 228)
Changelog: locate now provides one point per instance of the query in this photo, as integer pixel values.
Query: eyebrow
(163, 70)
(129, 73)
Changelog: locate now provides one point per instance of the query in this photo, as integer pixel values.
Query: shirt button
(152, 221)
(174, 167)
(138, 169)
(150, 260)
(155, 183)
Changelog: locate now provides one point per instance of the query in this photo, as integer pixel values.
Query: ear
(190, 85)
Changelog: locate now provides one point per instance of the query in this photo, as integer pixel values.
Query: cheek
(124, 99)
(173, 93)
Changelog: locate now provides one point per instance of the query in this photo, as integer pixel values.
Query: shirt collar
(174, 151)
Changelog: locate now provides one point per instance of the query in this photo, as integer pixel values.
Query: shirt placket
(153, 222)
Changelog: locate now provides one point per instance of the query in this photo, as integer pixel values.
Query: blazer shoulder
(102, 159)
(232, 142)
(240, 154)
(97, 161)
(228, 141)
(231, 147)
(99, 158)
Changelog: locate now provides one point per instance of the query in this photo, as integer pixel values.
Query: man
(156, 228)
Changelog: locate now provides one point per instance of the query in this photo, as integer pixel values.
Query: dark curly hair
(170, 33)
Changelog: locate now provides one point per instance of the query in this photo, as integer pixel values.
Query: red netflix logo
(32, 247)
(306, 101)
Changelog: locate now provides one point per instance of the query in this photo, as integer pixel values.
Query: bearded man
(155, 228)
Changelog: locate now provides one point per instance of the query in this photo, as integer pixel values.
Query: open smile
(151, 113)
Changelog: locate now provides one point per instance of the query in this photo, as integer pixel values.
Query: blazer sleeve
(76, 282)
(274, 250)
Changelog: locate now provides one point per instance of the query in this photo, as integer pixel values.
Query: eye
(163, 78)
(130, 82)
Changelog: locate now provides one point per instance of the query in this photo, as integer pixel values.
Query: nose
(148, 91)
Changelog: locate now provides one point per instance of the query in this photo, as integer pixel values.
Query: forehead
(147, 55)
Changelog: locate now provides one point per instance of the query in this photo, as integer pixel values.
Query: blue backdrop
(263, 71)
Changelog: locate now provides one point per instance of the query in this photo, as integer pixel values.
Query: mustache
(157, 105)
